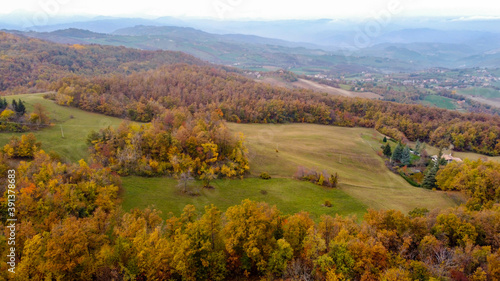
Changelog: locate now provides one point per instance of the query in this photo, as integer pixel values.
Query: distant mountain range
(244, 51)
(435, 54)
(326, 32)
(306, 46)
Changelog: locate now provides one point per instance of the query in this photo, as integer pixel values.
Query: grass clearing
(290, 196)
(352, 152)
(439, 101)
(73, 123)
(345, 87)
(365, 182)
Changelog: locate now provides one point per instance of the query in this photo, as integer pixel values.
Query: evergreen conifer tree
(418, 146)
(3, 103)
(397, 153)
(429, 181)
(387, 150)
(21, 109)
(430, 176)
(406, 157)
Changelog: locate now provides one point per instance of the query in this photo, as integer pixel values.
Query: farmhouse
(448, 157)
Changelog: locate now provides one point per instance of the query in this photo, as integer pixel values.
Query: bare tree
(185, 179)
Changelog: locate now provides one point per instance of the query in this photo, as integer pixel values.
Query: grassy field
(345, 87)
(483, 95)
(349, 151)
(290, 196)
(441, 102)
(482, 92)
(364, 180)
(75, 124)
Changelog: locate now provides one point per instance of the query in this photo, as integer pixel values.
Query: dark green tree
(397, 154)
(3, 103)
(387, 150)
(418, 146)
(405, 157)
(429, 181)
(385, 139)
(21, 109)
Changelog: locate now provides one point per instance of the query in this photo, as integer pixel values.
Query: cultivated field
(487, 93)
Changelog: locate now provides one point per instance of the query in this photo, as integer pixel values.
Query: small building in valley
(448, 157)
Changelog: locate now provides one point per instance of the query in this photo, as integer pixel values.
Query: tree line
(480, 180)
(30, 65)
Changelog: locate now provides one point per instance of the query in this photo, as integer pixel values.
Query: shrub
(50, 96)
(265, 176)
(319, 178)
(328, 203)
(24, 148)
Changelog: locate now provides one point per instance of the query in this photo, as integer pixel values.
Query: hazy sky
(257, 9)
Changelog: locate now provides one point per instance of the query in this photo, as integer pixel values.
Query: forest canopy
(174, 143)
(143, 95)
(71, 228)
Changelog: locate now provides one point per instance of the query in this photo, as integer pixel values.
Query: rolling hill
(243, 51)
(32, 63)
(403, 50)
(349, 151)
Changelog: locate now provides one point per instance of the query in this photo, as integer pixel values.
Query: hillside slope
(349, 151)
(32, 63)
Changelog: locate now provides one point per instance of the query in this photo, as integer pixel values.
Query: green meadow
(279, 150)
(441, 102)
(69, 129)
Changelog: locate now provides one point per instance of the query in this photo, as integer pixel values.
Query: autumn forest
(175, 108)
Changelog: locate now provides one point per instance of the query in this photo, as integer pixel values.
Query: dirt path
(317, 87)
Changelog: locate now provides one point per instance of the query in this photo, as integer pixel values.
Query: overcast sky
(256, 9)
